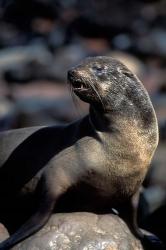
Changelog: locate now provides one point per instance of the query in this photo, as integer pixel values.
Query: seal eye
(99, 70)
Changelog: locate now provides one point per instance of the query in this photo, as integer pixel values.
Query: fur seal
(109, 150)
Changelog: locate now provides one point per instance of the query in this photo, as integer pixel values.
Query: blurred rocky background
(41, 39)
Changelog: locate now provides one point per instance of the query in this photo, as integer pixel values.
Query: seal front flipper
(37, 221)
(152, 242)
(129, 214)
(48, 198)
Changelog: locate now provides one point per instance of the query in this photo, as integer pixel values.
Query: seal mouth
(78, 84)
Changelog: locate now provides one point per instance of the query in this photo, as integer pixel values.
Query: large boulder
(3, 232)
(82, 231)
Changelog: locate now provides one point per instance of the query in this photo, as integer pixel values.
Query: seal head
(108, 85)
(97, 76)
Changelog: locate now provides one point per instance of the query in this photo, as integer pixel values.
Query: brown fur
(109, 151)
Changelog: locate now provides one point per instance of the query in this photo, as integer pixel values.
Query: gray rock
(10, 58)
(82, 231)
(3, 233)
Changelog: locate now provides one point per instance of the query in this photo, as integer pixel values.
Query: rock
(82, 231)
(163, 131)
(153, 198)
(11, 57)
(7, 116)
(154, 194)
(66, 58)
(158, 172)
(3, 233)
(156, 222)
(132, 62)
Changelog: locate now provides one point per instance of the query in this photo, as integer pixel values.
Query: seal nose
(71, 74)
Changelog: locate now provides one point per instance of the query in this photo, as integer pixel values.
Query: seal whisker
(75, 100)
(93, 87)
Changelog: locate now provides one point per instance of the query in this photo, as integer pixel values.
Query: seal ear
(127, 73)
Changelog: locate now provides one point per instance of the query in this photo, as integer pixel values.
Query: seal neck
(100, 120)
(134, 109)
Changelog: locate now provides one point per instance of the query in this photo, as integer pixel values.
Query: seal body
(109, 150)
